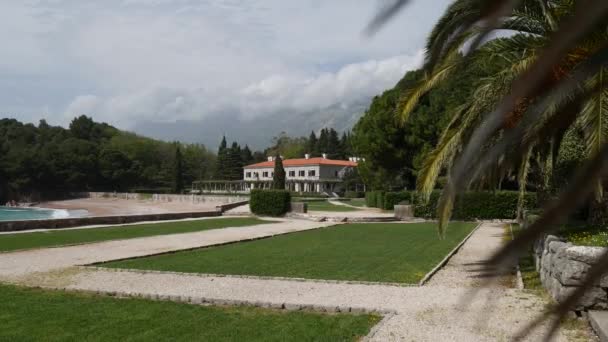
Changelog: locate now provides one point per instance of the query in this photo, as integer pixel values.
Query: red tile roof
(304, 162)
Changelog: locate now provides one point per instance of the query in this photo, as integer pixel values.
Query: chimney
(324, 155)
(270, 158)
(307, 156)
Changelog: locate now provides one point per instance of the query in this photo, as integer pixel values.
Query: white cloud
(127, 61)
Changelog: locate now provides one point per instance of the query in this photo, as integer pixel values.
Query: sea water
(18, 214)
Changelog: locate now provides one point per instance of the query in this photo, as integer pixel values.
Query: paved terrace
(434, 312)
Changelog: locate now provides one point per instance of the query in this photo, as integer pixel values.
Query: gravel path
(19, 264)
(438, 311)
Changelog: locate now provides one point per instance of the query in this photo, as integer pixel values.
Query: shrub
(374, 199)
(393, 198)
(380, 199)
(370, 199)
(270, 202)
(477, 205)
(354, 194)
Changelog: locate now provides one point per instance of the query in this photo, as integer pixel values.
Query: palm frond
(413, 95)
(443, 154)
(384, 15)
(594, 119)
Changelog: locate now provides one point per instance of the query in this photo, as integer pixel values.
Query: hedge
(374, 199)
(477, 205)
(354, 194)
(393, 198)
(469, 206)
(270, 202)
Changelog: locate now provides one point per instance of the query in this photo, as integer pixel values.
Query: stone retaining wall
(12, 226)
(170, 197)
(562, 266)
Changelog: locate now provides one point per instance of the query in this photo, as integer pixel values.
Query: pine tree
(323, 141)
(234, 164)
(278, 179)
(333, 144)
(311, 147)
(222, 156)
(246, 156)
(345, 149)
(178, 180)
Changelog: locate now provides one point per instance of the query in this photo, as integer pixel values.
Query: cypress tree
(178, 180)
(278, 179)
(312, 145)
(322, 142)
(222, 155)
(234, 164)
(246, 156)
(333, 144)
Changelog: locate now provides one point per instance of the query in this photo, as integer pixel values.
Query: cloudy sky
(142, 64)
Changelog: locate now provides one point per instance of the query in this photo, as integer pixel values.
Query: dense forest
(44, 161)
(394, 152)
(48, 161)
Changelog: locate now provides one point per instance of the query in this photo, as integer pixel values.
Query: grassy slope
(11, 242)
(366, 252)
(40, 315)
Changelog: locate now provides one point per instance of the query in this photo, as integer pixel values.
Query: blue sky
(132, 61)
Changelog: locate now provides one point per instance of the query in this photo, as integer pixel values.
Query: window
(256, 175)
(248, 175)
(272, 174)
(302, 173)
(292, 173)
(311, 173)
(336, 173)
(265, 174)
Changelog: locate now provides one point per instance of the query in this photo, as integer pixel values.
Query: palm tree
(555, 58)
(529, 29)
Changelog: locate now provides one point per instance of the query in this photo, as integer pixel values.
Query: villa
(320, 175)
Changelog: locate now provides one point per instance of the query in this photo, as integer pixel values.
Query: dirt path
(438, 311)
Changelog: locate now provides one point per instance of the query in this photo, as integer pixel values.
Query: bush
(374, 199)
(354, 194)
(370, 199)
(270, 202)
(393, 198)
(380, 199)
(477, 205)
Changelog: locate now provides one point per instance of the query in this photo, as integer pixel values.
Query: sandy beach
(114, 206)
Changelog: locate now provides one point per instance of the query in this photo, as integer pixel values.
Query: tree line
(47, 161)
(43, 161)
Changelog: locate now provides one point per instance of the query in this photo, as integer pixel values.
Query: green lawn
(11, 242)
(357, 202)
(42, 315)
(384, 252)
(326, 206)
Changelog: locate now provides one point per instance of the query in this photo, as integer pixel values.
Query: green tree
(178, 171)
(278, 179)
(222, 160)
(312, 145)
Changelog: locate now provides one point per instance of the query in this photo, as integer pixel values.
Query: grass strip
(53, 238)
(377, 252)
(42, 315)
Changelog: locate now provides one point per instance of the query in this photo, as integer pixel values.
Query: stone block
(404, 212)
(555, 246)
(588, 255)
(299, 207)
(570, 272)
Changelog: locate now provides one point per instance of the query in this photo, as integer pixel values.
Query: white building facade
(319, 175)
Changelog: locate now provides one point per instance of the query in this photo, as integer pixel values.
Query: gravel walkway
(438, 311)
(19, 264)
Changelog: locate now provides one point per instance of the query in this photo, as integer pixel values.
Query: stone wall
(171, 198)
(562, 266)
(11, 226)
